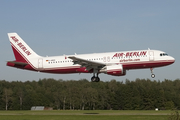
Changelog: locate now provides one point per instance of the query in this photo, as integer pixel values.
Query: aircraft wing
(86, 63)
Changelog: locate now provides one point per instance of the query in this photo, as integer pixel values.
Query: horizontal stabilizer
(18, 63)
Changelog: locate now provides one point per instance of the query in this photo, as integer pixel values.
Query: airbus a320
(110, 63)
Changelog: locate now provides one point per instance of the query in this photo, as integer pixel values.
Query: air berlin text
(21, 45)
(130, 54)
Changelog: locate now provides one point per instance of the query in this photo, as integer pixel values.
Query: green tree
(7, 97)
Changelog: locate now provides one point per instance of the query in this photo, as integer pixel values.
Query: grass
(86, 115)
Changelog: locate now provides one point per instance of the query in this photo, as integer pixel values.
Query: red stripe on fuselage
(147, 64)
(134, 65)
(66, 70)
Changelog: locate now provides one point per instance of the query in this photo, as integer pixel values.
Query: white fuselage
(111, 63)
(129, 60)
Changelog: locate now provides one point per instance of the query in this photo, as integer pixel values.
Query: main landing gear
(152, 75)
(95, 78)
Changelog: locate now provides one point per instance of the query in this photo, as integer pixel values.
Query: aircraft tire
(97, 79)
(93, 79)
(153, 75)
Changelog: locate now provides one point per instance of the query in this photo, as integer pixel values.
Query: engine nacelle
(115, 70)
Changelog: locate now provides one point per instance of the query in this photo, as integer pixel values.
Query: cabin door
(151, 55)
(40, 63)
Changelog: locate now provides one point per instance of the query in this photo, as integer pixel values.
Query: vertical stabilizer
(22, 52)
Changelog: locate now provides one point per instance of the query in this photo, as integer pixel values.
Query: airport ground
(88, 115)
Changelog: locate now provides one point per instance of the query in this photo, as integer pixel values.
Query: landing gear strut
(152, 75)
(95, 78)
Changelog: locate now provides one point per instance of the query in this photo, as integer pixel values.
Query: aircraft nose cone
(172, 59)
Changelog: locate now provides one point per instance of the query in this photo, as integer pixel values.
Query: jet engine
(115, 70)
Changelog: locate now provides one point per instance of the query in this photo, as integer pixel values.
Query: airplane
(110, 63)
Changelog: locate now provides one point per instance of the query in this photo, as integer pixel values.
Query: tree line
(140, 94)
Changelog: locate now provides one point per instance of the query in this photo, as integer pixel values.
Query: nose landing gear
(152, 75)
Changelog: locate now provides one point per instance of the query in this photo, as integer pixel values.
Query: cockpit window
(163, 54)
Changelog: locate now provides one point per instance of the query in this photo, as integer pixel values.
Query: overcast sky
(58, 27)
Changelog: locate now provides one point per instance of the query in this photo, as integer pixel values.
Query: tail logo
(21, 45)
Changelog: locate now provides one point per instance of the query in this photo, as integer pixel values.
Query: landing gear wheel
(153, 75)
(97, 79)
(93, 79)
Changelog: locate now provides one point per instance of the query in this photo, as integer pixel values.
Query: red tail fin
(17, 55)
